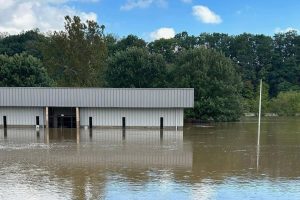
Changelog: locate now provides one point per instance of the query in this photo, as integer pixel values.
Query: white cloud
(47, 15)
(164, 32)
(280, 30)
(5, 4)
(131, 4)
(205, 15)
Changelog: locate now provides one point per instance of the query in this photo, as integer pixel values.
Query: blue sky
(151, 19)
(238, 16)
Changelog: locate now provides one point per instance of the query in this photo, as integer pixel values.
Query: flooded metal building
(94, 107)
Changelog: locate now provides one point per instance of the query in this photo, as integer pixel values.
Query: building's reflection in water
(129, 147)
(118, 147)
(85, 156)
(22, 135)
(5, 133)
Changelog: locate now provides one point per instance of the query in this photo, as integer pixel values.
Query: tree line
(224, 69)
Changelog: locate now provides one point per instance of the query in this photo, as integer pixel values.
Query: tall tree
(22, 70)
(215, 80)
(285, 70)
(136, 67)
(253, 55)
(76, 56)
(28, 42)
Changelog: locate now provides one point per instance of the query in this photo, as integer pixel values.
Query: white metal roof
(97, 97)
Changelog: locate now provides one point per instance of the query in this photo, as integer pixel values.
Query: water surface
(219, 161)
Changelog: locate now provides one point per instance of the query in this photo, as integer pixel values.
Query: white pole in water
(259, 113)
(259, 121)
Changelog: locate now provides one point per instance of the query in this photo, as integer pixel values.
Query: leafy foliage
(253, 102)
(76, 56)
(287, 103)
(216, 82)
(136, 67)
(22, 70)
(24, 42)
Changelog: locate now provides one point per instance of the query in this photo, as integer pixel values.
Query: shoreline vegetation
(223, 69)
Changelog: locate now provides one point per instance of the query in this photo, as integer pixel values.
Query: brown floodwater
(216, 161)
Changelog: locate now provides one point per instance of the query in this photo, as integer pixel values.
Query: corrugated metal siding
(142, 117)
(21, 116)
(97, 97)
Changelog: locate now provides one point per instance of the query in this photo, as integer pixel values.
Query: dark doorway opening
(62, 117)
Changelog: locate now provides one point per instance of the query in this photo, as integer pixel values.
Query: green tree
(215, 80)
(22, 70)
(111, 44)
(164, 47)
(114, 45)
(28, 42)
(286, 103)
(184, 41)
(265, 99)
(130, 41)
(253, 54)
(218, 41)
(136, 67)
(76, 56)
(285, 72)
